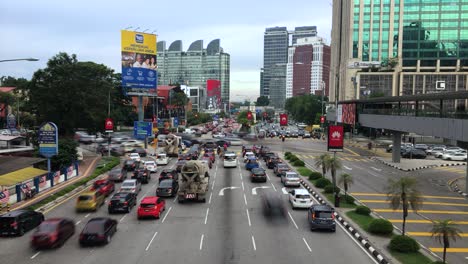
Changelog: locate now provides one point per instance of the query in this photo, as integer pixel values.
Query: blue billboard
(142, 129)
(48, 140)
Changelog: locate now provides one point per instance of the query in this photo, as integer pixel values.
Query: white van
(230, 160)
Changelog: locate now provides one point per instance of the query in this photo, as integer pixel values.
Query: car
(210, 144)
(122, 202)
(132, 186)
(218, 135)
(272, 162)
(269, 155)
(280, 167)
(221, 142)
(135, 156)
(97, 231)
(211, 155)
(306, 135)
(233, 141)
(413, 153)
(273, 206)
(141, 151)
(86, 139)
(142, 175)
(52, 233)
(251, 163)
(179, 164)
(162, 159)
(167, 188)
(458, 156)
(118, 175)
(321, 216)
(435, 150)
(89, 201)
(103, 186)
(169, 174)
(421, 146)
(208, 161)
(230, 160)
(290, 178)
(19, 222)
(130, 164)
(258, 175)
(248, 155)
(403, 146)
(300, 198)
(151, 206)
(151, 166)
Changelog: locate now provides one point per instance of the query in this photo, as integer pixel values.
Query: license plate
(190, 196)
(303, 201)
(146, 210)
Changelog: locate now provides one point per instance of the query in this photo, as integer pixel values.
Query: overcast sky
(91, 29)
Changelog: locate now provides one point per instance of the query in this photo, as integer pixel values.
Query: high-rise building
(303, 32)
(399, 47)
(194, 66)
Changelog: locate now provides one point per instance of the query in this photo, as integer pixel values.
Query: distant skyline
(91, 29)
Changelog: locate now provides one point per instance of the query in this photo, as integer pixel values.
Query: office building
(197, 97)
(399, 47)
(303, 32)
(194, 66)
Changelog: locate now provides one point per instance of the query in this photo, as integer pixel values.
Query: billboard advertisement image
(213, 94)
(139, 65)
(283, 119)
(335, 138)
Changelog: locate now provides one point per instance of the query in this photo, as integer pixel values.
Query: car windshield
(94, 227)
(151, 163)
(47, 227)
(83, 198)
(282, 166)
(291, 175)
(165, 184)
(128, 184)
(323, 214)
(147, 205)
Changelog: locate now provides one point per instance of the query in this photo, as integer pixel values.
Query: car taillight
(110, 203)
(125, 203)
(14, 224)
(313, 216)
(101, 236)
(81, 236)
(333, 216)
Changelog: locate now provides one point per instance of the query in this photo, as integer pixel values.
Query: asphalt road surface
(228, 228)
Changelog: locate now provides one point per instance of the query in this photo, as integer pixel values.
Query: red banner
(335, 138)
(109, 124)
(283, 119)
(249, 115)
(322, 119)
(213, 94)
(349, 114)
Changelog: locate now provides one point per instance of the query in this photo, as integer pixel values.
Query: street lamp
(25, 59)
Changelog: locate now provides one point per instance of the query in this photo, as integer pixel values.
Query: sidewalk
(85, 169)
(417, 164)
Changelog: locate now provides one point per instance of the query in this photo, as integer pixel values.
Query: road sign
(160, 122)
(215, 117)
(176, 121)
(440, 85)
(142, 129)
(109, 125)
(48, 139)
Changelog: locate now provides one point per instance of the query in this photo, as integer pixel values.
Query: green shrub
(287, 153)
(404, 244)
(363, 210)
(438, 262)
(380, 227)
(298, 163)
(322, 182)
(315, 175)
(328, 189)
(304, 171)
(293, 158)
(348, 199)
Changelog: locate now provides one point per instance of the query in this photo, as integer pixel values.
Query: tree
(304, 108)
(444, 230)
(321, 161)
(242, 118)
(333, 164)
(404, 192)
(262, 101)
(346, 180)
(179, 98)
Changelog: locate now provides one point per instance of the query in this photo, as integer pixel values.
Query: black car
(130, 165)
(271, 162)
(169, 174)
(221, 142)
(142, 175)
(258, 175)
(98, 231)
(19, 222)
(210, 145)
(122, 202)
(140, 151)
(321, 217)
(279, 168)
(268, 155)
(167, 188)
(413, 153)
(118, 175)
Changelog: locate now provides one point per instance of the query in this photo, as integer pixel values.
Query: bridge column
(396, 149)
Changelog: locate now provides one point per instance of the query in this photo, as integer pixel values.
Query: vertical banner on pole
(335, 138)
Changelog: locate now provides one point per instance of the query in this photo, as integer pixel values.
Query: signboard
(109, 125)
(139, 63)
(364, 64)
(142, 129)
(160, 122)
(335, 138)
(48, 139)
(440, 85)
(11, 121)
(213, 94)
(322, 119)
(249, 115)
(339, 114)
(176, 122)
(283, 119)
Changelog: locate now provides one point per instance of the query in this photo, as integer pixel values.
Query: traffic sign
(48, 139)
(249, 115)
(142, 129)
(176, 121)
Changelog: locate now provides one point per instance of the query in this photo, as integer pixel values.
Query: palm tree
(321, 161)
(404, 192)
(333, 164)
(443, 231)
(346, 180)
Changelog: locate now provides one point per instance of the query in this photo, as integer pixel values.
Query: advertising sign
(213, 94)
(48, 139)
(283, 119)
(249, 115)
(109, 126)
(176, 122)
(335, 138)
(142, 129)
(349, 114)
(339, 114)
(322, 119)
(139, 63)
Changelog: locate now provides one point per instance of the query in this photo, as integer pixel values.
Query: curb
(417, 168)
(457, 189)
(377, 255)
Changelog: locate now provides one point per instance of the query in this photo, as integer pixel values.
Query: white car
(230, 160)
(135, 156)
(219, 135)
(248, 155)
(130, 186)
(290, 178)
(300, 198)
(162, 159)
(447, 153)
(434, 151)
(459, 156)
(151, 166)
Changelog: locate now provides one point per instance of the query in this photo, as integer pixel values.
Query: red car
(151, 206)
(52, 233)
(104, 187)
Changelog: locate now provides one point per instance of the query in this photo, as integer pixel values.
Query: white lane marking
(253, 243)
(151, 241)
(284, 190)
(254, 190)
(206, 216)
(307, 244)
(292, 219)
(123, 217)
(245, 199)
(248, 217)
(164, 218)
(78, 222)
(209, 200)
(240, 175)
(268, 177)
(175, 199)
(86, 216)
(212, 185)
(348, 168)
(243, 186)
(374, 168)
(35, 255)
(274, 188)
(221, 192)
(201, 241)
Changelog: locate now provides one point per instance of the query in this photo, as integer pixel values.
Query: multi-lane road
(228, 228)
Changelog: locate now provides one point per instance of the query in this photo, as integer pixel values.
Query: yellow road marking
(450, 250)
(421, 211)
(426, 234)
(355, 154)
(425, 203)
(424, 221)
(424, 196)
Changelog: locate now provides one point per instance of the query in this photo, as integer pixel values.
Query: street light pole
(25, 59)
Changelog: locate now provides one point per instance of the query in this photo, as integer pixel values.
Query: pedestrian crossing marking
(352, 158)
(424, 196)
(409, 221)
(427, 234)
(425, 203)
(449, 250)
(420, 211)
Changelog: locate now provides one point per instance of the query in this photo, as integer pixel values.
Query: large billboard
(213, 94)
(139, 65)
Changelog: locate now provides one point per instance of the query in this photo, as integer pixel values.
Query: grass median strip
(411, 258)
(109, 164)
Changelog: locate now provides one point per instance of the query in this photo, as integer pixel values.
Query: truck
(172, 143)
(194, 181)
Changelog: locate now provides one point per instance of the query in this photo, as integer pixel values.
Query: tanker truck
(194, 181)
(172, 145)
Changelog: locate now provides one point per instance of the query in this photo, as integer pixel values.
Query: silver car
(130, 186)
(290, 179)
